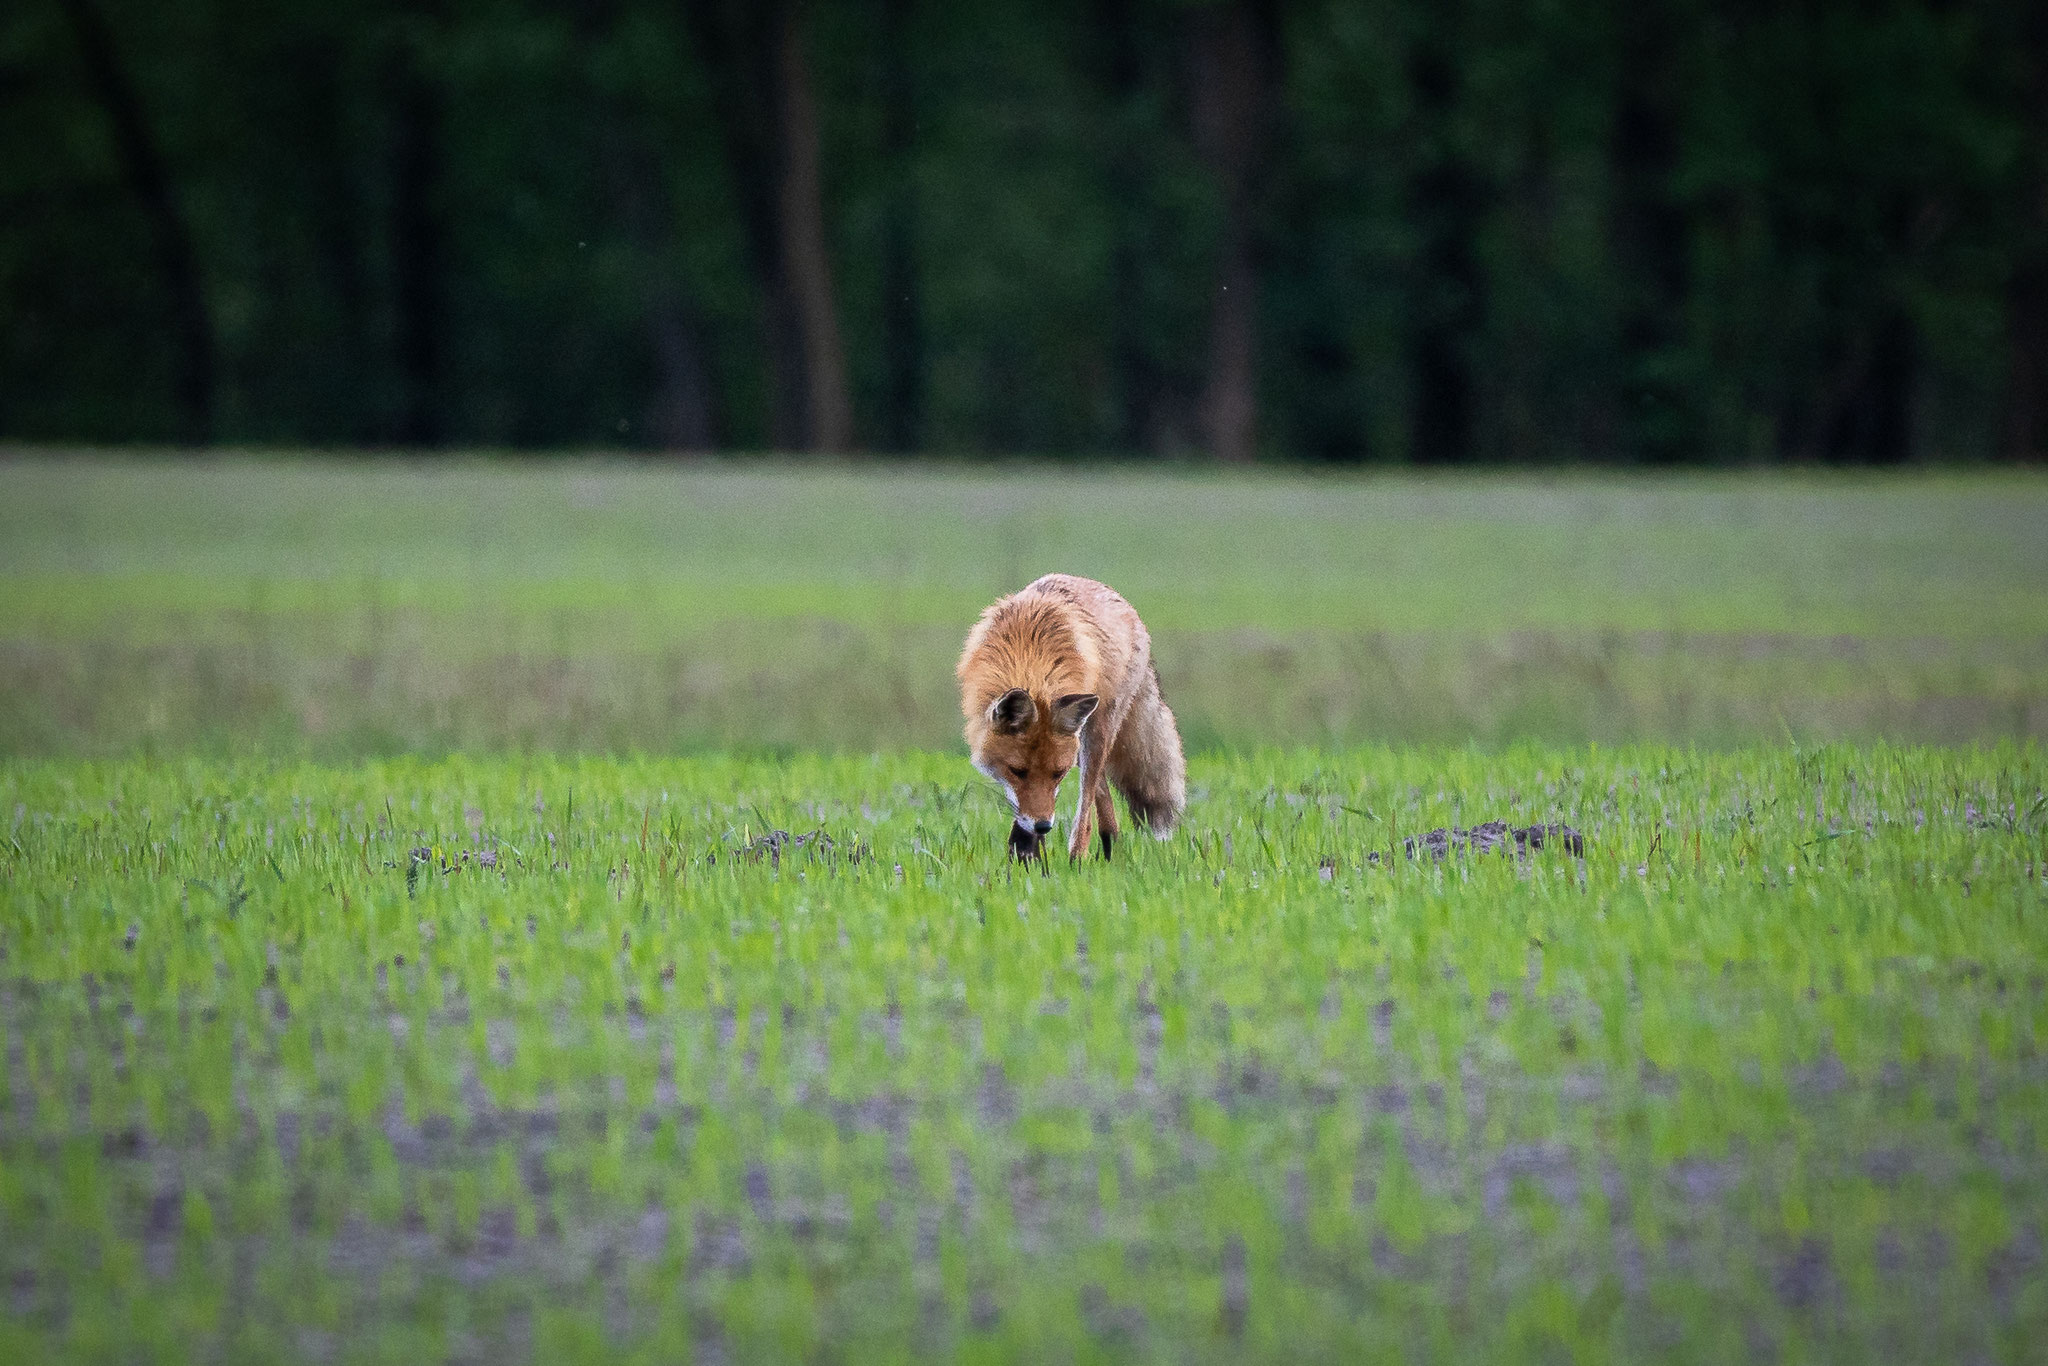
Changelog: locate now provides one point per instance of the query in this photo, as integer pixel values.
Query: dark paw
(1108, 842)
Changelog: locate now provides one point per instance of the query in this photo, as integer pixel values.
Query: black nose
(1040, 827)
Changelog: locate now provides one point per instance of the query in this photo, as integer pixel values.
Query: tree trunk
(1864, 415)
(2025, 435)
(1650, 241)
(1862, 412)
(2026, 328)
(142, 163)
(336, 214)
(682, 414)
(415, 233)
(1230, 412)
(1136, 389)
(754, 54)
(804, 251)
(1445, 306)
(1236, 50)
(902, 318)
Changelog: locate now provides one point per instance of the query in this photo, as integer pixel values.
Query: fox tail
(1147, 765)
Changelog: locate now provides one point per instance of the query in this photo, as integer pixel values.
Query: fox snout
(1027, 836)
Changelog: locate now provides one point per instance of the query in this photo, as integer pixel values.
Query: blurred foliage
(1567, 230)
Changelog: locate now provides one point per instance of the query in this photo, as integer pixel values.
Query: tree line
(1429, 231)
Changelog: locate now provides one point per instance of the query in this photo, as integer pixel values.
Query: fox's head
(1027, 748)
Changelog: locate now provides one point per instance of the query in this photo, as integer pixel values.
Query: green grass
(399, 960)
(289, 1073)
(337, 608)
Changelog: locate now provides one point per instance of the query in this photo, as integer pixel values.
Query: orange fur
(1059, 677)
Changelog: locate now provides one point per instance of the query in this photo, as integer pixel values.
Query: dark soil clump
(1484, 839)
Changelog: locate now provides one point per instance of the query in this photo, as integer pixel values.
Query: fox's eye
(1019, 774)
(1058, 774)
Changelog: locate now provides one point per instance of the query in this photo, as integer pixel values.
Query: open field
(340, 608)
(519, 1059)
(541, 913)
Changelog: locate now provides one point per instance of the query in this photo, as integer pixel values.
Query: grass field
(541, 913)
(335, 609)
(525, 1059)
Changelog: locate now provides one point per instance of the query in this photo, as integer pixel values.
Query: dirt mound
(1484, 839)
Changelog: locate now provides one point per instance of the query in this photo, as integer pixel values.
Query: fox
(1058, 677)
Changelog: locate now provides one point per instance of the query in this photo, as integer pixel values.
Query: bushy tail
(1147, 765)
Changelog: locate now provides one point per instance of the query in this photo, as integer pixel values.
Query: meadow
(383, 979)
(337, 608)
(580, 1060)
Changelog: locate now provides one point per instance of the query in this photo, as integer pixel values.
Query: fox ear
(1013, 712)
(1071, 712)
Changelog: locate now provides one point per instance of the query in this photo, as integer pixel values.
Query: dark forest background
(1345, 230)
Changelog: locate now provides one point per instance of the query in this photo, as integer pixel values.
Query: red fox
(1059, 676)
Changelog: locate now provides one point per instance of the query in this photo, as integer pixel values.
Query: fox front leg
(1105, 818)
(1092, 769)
(1084, 809)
